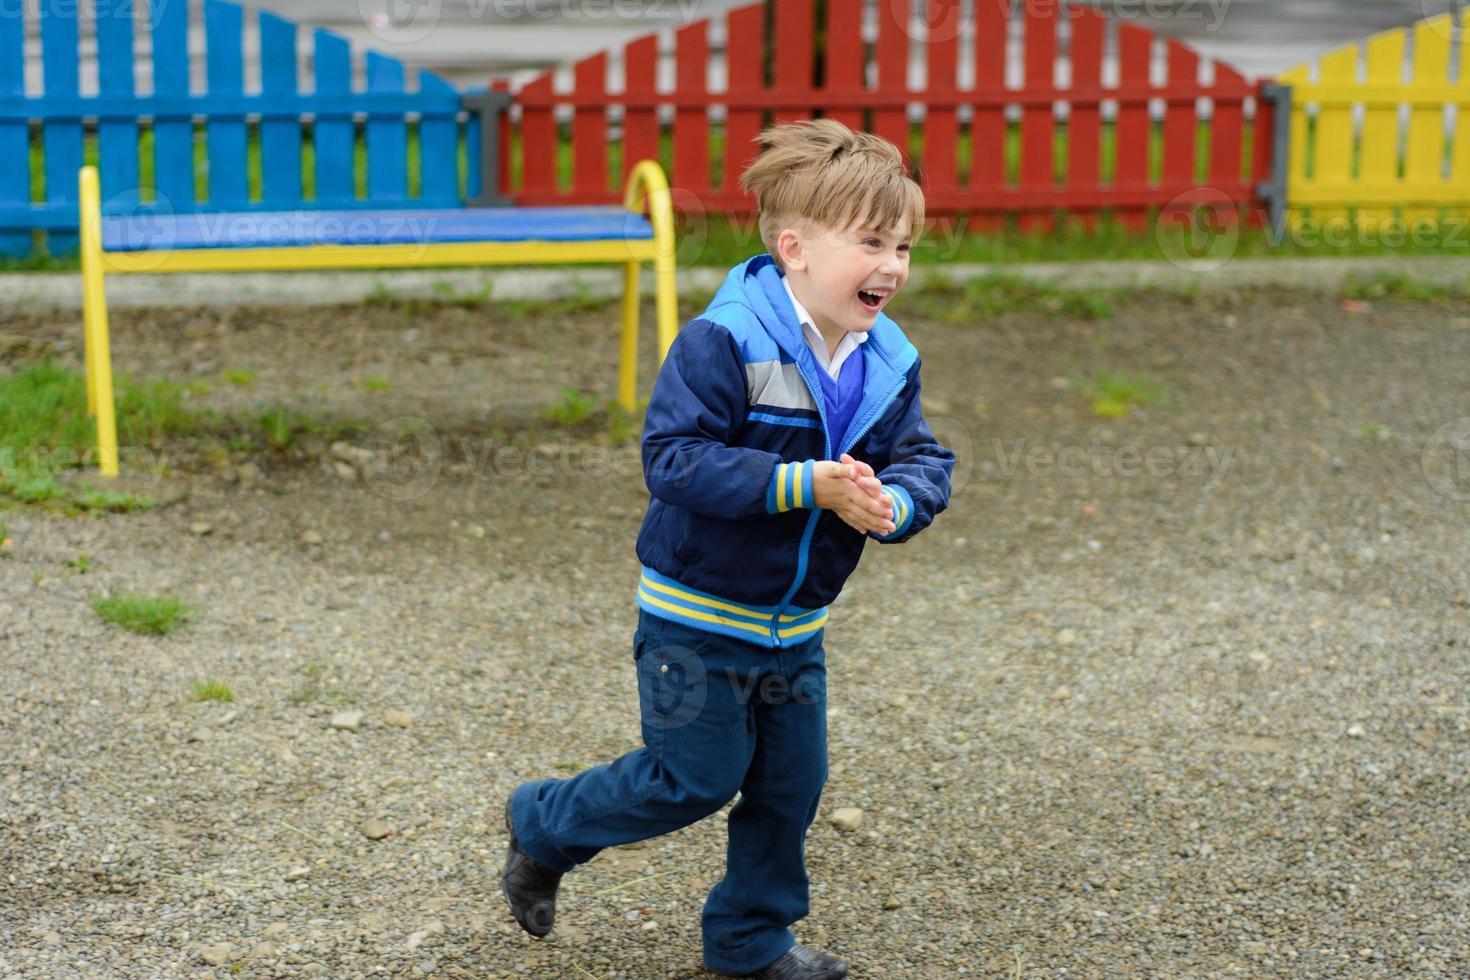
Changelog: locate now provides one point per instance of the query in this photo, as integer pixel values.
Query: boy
(784, 430)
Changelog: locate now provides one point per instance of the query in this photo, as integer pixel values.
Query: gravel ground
(1179, 695)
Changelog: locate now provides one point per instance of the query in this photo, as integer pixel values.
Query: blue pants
(719, 716)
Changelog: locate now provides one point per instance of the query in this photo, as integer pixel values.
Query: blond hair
(820, 170)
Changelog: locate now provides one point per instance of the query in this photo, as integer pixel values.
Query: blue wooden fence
(281, 123)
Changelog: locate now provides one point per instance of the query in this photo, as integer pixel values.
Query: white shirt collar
(845, 347)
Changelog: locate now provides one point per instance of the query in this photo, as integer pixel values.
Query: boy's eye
(903, 248)
(871, 241)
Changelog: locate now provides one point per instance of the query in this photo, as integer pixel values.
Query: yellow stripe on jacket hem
(726, 621)
(701, 600)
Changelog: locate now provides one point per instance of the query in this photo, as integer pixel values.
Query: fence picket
(691, 126)
(1460, 148)
(1181, 126)
(173, 131)
(793, 69)
(538, 141)
(225, 131)
(1227, 129)
(117, 139)
(1038, 126)
(941, 123)
(1333, 154)
(1424, 144)
(333, 134)
(640, 89)
(438, 149)
(1379, 148)
(844, 66)
(280, 133)
(15, 140)
(1084, 122)
(387, 133)
(589, 128)
(744, 30)
(891, 120)
(61, 137)
(988, 128)
(1133, 128)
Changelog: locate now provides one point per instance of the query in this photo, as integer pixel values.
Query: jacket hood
(756, 286)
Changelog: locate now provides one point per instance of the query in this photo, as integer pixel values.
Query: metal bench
(221, 178)
(293, 240)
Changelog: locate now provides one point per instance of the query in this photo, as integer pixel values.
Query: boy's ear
(789, 250)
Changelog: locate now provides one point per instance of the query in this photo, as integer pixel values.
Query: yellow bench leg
(647, 182)
(94, 319)
(628, 364)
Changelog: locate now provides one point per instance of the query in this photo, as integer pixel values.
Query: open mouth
(873, 299)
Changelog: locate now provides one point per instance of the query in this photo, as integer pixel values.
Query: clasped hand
(848, 488)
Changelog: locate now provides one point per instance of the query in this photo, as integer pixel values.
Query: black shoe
(529, 886)
(800, 963)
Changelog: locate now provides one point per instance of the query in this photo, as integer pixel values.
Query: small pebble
(375, 829)
(348, 720)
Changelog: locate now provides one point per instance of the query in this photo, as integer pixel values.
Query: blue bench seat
(141, 232)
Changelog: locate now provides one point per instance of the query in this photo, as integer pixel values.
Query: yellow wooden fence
(1385, 140)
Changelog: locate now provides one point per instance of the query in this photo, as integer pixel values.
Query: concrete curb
(24, 292)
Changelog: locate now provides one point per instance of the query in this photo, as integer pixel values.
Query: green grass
(573, 409)
(1405, 287)
(963, 304)
(116, 501)
(282, 428)
(157, 615)
(211, 690)
(5, 541)
(584, 411)
(375, 382)
(44, 430)
(1113, 394)
(81, 564)
(239, 377)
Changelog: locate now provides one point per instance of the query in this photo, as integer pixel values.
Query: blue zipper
(874, 414)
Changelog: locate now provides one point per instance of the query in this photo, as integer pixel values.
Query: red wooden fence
(985, 185)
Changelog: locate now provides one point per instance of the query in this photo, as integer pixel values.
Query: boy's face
(845, 277)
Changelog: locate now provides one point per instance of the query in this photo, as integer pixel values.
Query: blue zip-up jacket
(732, 542)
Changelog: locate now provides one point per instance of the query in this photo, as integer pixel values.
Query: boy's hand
(836, 488)
(862, 474)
